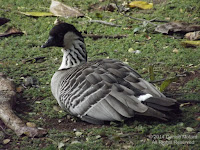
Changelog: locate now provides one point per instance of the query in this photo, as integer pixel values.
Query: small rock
(6, 141)
(60, 120)
(31, 124)
(137, 52)
(131, 50)
(30, 81)
(189, 129)
(78, 133)
(68, 117)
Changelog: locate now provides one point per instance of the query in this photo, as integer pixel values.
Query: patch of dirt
(68, 125)
(174, 87)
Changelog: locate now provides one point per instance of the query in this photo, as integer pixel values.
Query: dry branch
(95, 37)
(139, 19)
(106, 23)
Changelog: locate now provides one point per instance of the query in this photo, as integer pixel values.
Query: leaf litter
(140, 4)
(37, 14)
(3, 21)
(12, 31)
(60, 9)
(174, 27)
(193, 36)
(191, 43)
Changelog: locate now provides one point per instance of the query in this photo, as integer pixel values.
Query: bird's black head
(57, 34)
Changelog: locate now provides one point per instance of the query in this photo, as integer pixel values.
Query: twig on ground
(156, 20)
(36, 59)
(95, 37)
(105, 22)
(102, 53)
(139, 19)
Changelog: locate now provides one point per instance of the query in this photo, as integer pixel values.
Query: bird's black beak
(50, 42)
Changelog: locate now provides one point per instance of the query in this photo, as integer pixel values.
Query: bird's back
(102, 90)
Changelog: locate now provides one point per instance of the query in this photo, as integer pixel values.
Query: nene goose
(101, 90)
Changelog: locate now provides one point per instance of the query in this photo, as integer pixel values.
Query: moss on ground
(35, 104)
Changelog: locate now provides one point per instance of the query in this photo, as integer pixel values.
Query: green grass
(158, 51)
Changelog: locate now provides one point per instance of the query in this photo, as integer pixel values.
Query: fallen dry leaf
(60, 145)
(172, 27)
(167, 82)
(19, 89)
(189, 129)
(78, 133)
(185, 104)
(131, 50)
(148, 37)
(56, 108)
(191, 43)
(37, 14)
(6, 141)
(175, 50)
(98, 137)
(193, 35)
(3, 21)
(31, 124)
(140, 4)
(11, 31)
(198, 118)
(60, 9)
